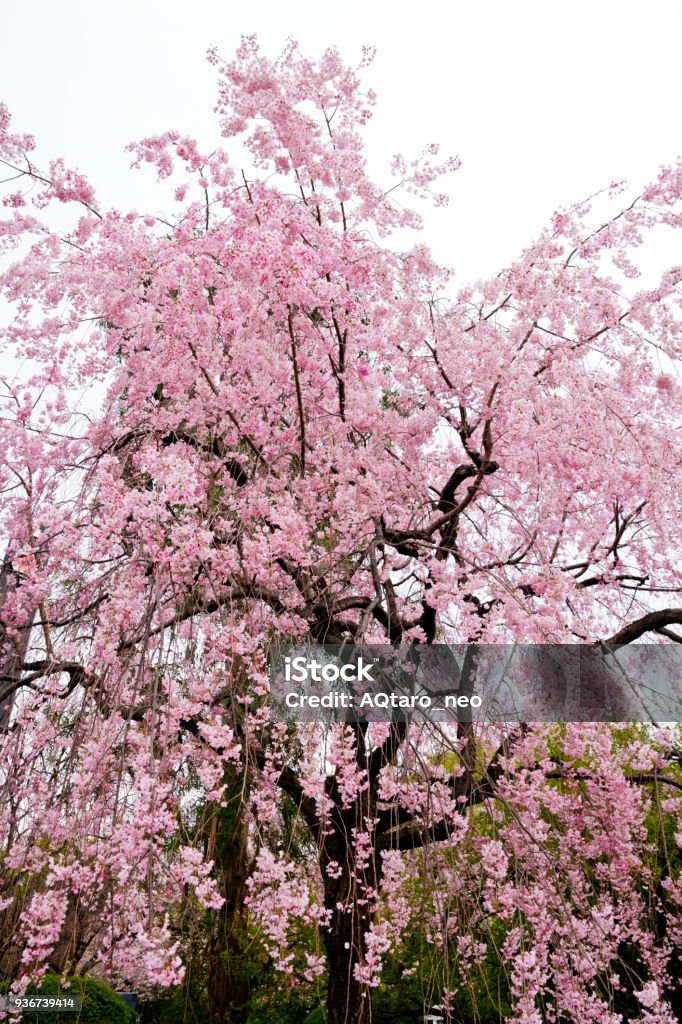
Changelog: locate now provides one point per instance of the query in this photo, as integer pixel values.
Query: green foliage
(316, 1017)
(101, 1005)
(482, 997)
(285, 1008)
(186, 1004)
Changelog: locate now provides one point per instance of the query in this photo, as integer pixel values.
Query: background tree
(302, 437)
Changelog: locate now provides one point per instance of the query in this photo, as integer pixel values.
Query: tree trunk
(345, 939)
(12, 652)
(228, 988)
(348, 1002)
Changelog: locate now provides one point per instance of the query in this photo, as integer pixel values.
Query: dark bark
(345, 938)
(348, 1002)
(12, 652)
(228, 989)
(652, 622)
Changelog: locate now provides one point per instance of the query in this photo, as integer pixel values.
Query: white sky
(544, 102)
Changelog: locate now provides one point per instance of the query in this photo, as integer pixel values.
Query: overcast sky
(544, 102)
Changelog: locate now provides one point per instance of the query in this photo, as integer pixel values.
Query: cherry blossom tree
(306, 433)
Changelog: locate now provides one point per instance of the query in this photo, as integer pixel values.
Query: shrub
(101, 1005)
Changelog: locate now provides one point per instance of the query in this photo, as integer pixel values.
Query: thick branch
(651, 622)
